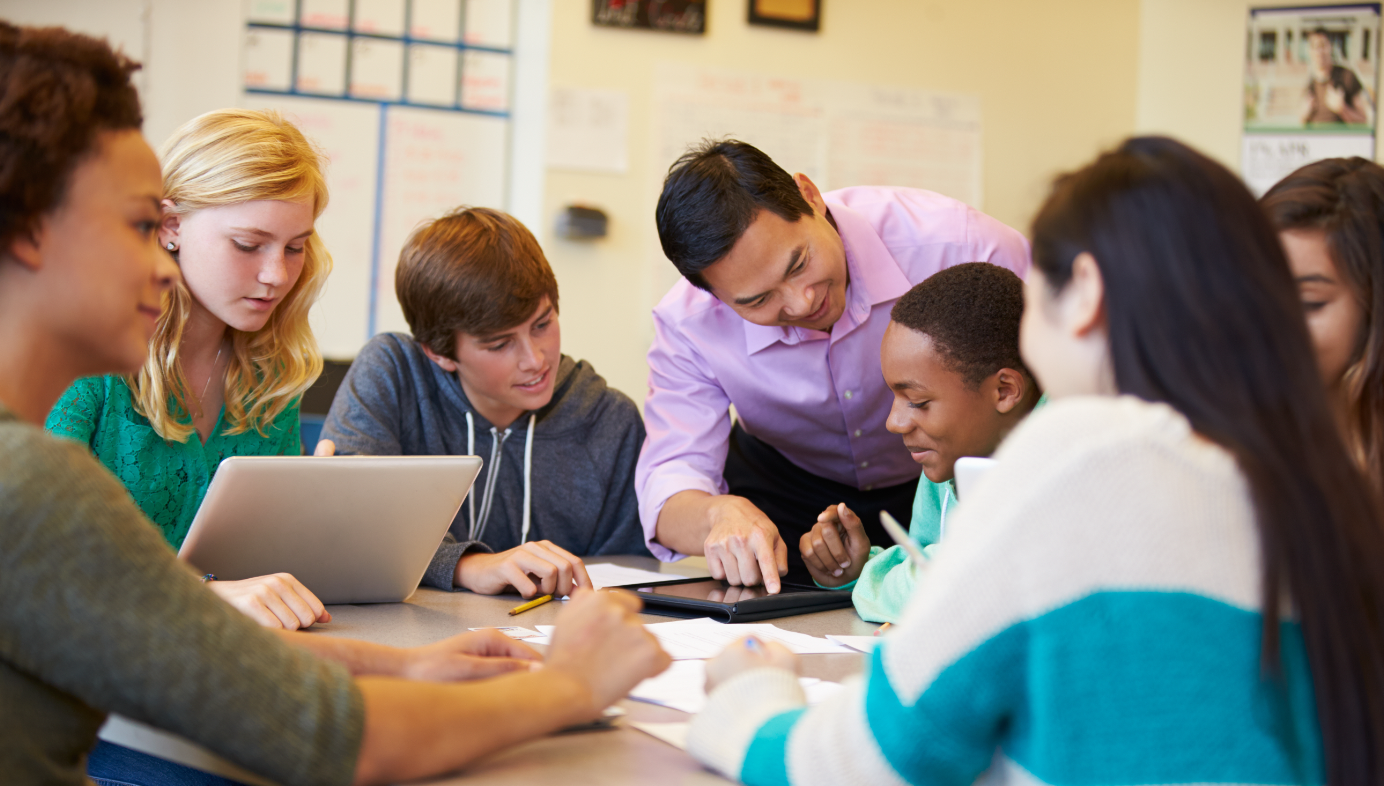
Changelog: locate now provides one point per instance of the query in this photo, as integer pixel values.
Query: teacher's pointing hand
(743, 546)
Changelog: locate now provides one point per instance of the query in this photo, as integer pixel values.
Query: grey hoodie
(394, 401)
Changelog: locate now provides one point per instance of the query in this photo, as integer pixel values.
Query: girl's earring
(171, 246)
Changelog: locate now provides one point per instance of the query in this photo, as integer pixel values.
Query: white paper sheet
(377, 69)
(269, 59)
(381, 17)
(327, 14)
(436, 20)
(588, 130)
(683, 687)
(674, 734)
(432, 75)
(604, 574)
(705, 638)
(515, 632)
(861, 643)
(322, 63)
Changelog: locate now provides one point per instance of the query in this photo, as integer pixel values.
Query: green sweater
(167, 479)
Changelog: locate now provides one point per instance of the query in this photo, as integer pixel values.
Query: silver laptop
(352, 529)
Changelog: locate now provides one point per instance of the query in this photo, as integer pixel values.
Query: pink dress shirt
(818, 398)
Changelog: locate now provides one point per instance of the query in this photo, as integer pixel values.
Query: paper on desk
(862, 643)
(702, 638)
(604, 574)
(683, 687)
(674, 734)
(515, 632)
(705, 638)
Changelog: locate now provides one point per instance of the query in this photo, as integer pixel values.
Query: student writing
(951, 357)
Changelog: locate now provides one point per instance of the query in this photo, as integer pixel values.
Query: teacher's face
(785, 273)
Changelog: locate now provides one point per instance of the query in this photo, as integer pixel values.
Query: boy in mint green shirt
(951, 356)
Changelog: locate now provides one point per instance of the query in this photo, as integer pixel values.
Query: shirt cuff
(722, 732)
(442, 570)
(665, 481)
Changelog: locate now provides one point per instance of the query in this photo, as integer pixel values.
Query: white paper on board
(490, 23)
(1266, 159)
(322, 63)
(588, 130)
(432, 75)
(326, 14)
(377, 69)
(485, 81)
(436, 20)
(274, 12)
(269, 59)
(380, 17)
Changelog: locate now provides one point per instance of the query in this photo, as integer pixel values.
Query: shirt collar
(875, 278)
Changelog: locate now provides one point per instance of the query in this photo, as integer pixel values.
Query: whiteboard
(435, 161)
(348, 133)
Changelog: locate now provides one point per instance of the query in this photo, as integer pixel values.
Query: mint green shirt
(166, 479)
(886, 581)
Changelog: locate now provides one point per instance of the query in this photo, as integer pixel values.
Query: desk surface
(618, 756)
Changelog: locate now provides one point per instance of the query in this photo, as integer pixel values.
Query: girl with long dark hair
(1173, 573)
(1330, 217)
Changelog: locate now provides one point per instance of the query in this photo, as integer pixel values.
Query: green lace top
(166, 479)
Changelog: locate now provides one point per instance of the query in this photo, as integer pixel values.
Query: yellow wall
(1056, 80)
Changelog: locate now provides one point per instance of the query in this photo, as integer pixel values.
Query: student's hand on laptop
(744, 546)
(274, 601)
(539, 567)
(325, 447)
(748, 653)
(601, 643)
(836, 548)
(469, 656)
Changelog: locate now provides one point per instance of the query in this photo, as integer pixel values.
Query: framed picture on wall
(793, 14)
(677, 16)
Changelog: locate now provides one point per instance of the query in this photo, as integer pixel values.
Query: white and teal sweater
(1094, 619)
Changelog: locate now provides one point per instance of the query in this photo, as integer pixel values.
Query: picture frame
(672, 16)
(803, 15)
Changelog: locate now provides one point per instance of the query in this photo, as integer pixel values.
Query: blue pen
(753, 645)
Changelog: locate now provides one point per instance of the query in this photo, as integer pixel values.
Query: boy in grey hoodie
(483, 374)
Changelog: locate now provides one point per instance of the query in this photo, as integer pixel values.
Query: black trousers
(792, 497)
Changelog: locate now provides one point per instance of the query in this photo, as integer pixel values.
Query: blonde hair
(228, 157)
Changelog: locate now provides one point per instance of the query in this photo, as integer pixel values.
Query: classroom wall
(1056, 82)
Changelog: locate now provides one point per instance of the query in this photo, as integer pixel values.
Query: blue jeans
(115, 765)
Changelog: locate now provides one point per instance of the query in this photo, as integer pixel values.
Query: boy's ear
(811, 193)
(25, 250)
(1010, 387)
(443, 362)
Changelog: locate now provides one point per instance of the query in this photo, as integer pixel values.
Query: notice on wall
(1311, 77)
(588, 130)
(837, 133)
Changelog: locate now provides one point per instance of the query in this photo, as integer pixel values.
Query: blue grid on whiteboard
(323, 57)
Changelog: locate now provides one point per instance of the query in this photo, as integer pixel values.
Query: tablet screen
(717, 591)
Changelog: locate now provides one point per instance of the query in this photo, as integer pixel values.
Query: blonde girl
(232, 352)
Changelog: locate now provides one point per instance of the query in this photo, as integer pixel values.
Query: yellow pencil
(878, 631)
(533, 604)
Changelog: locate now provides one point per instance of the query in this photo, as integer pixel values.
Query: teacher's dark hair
(1202, 313)
(1343, 198)
(711, 195)
(58, 91)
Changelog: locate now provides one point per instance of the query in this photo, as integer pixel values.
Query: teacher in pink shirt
(785, 296)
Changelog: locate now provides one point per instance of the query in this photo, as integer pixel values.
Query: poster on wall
(1311, 88)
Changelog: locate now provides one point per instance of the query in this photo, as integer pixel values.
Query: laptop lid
(352, 529)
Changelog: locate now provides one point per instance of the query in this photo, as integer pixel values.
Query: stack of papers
(683, 687)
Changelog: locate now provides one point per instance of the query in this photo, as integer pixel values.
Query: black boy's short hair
(971, 312)
(711, 195)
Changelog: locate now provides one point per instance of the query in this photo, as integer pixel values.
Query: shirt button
(857, 432)
(848, 394)
(864, 464)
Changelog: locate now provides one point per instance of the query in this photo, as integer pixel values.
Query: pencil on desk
(881, 629)
(533, 604)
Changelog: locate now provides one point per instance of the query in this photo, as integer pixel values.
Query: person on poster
(1335, 93)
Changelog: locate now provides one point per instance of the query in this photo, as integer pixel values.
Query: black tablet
(728, 603)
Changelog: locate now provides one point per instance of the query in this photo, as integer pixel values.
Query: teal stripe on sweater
(766, 760)
(1119, 687)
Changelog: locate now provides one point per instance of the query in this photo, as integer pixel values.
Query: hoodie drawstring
(488, 495)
